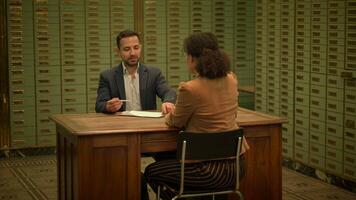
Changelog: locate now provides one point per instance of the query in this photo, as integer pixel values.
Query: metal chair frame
(181, 193)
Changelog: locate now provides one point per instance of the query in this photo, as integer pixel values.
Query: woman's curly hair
(212, 62)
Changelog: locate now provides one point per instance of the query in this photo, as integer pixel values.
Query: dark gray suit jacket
(152, 83)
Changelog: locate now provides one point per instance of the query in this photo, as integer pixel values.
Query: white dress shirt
(132, 89)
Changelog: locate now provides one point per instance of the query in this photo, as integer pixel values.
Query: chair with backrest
(208, 146)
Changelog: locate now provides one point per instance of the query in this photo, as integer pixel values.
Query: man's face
(130, 51)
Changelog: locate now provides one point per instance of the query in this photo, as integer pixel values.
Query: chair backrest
(208, 146)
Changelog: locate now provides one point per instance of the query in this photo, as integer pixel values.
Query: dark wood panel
(4, 81)
(257, 169)
(134, 167)
(158, 142)
(69, 168)
(263, 178)
(60, 165)
(109, 162)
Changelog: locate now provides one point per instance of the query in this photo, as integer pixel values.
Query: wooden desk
(99, 155)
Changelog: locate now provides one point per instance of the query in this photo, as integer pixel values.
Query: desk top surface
(98, 123)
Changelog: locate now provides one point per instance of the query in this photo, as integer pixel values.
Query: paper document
(142, 114)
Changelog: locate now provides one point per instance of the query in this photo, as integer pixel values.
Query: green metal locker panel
(350, 94)
(223, 24)
(243, 53)
(302, 82)
(261, 55)
(201, 15)
(121, 18)
(177, 30)
(48, 69)
(21, 66)
(154, 36)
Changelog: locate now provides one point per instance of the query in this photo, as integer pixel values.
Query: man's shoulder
(151, 69)
(109, 71)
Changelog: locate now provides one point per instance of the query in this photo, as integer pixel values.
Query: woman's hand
(167, 108)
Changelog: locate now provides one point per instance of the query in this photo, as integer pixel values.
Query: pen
(124, 100)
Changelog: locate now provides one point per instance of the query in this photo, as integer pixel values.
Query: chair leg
(158, 193)
(241, 197)
(213, 197)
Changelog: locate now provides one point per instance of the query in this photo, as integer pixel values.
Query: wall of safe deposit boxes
(306, 72)
(57, 49)
(304, 53)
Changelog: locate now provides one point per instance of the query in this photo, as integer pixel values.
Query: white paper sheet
(143, 114)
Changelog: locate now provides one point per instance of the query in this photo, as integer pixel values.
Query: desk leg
(60, 153)
(263, 180)
(109, 167)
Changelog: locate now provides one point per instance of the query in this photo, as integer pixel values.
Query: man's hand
(167, 107)
(113, 105)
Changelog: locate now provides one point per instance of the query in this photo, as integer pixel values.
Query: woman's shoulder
(186, 85)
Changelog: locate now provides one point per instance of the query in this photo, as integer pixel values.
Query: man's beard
(129, 64)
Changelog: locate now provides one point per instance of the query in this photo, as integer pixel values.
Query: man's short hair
(125, 34)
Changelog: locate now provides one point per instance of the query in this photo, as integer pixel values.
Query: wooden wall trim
(4, 81)
(138, 20)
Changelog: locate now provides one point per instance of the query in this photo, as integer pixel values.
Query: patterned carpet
(34, 177)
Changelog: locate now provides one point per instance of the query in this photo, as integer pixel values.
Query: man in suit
(132, 85)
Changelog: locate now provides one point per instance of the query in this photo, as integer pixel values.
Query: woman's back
(206, 105)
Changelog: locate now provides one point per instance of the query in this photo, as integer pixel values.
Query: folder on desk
(142, 114)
